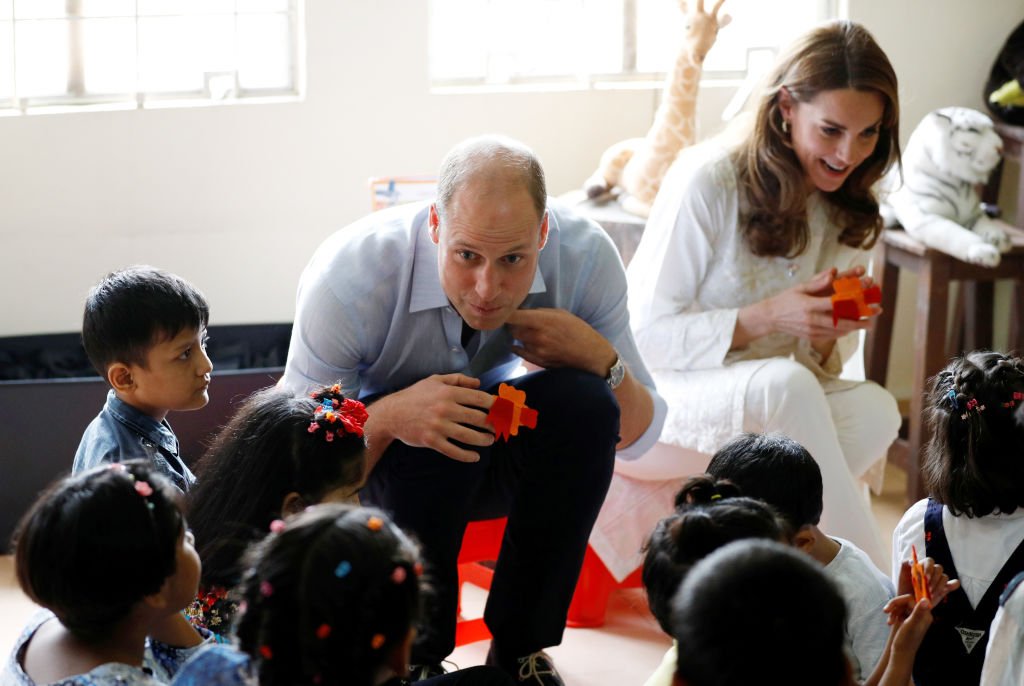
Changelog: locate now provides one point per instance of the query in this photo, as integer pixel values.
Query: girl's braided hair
(329, 597)
(974, 461)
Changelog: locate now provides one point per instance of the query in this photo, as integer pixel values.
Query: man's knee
(570, 398)
(571, 394)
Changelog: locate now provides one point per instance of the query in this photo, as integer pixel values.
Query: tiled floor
(623, 652)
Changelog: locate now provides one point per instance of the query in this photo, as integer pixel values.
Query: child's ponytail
(972, 461)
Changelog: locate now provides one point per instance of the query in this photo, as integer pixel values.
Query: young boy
(780, 471)
(145, 332)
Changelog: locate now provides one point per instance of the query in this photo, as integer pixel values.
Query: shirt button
(454, 349)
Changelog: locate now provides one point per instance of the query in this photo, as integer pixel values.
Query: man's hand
(552, 337)
(431, 414)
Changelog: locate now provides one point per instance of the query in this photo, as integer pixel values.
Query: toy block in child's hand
(851, 299)
(917, 578)
(509, 412)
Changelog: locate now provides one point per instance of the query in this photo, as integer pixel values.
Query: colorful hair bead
(377, 641)
(323, 631)
(343, 568)
(277, 526)
(398, 576)
(972, 404)
(952, 399)
(266, 652)
(375, 523)
(266, 589)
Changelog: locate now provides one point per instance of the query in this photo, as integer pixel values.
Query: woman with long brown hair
(730, 287)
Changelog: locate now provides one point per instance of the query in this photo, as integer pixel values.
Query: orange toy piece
(851, 299)
(509, 412)
(917, 579)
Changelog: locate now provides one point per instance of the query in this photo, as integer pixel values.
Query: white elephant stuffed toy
(948, 158)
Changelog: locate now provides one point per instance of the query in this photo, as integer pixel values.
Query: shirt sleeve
(695, 203)
(602, 303)
(868, 627)
(909, 531)
(325, 344)
(1004, 656)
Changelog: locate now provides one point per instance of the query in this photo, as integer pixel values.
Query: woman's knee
(783, 382)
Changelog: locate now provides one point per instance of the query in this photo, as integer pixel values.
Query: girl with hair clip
(108, 556)
(277, 455)
(332, 598)
(730, 288)
(709, 514)
(972, 523)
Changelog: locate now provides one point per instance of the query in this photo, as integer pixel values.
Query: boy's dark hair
(710, 515)
(328, 597)
(263, 453)
(746, 610)
(776, 469)
(133, 309)
(973, 461)
(91, 546)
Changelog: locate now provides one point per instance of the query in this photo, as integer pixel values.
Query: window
(585, 43)
(146, 53)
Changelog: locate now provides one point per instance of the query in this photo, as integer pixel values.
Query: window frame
(629, 78)
(76, 99)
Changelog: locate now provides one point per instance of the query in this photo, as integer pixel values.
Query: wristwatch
(616, 374)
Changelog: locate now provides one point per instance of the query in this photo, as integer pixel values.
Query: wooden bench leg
(878, 342)
(929, 358)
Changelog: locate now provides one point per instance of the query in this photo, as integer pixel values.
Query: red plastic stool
(482, 542)
(589, 604)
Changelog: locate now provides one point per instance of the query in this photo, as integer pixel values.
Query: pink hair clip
(972, 404)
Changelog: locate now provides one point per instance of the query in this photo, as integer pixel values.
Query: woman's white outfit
(691, 274)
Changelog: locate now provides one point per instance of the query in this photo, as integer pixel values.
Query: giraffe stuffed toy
(637, 165)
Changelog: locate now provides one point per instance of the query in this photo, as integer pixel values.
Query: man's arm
(552, 337)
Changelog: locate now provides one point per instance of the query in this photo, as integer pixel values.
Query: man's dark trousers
(550, 481)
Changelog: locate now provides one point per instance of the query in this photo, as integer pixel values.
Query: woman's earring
(785, 126)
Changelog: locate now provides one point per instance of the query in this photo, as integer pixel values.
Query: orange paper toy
(917, 579)
(851, 299)
(509, 412)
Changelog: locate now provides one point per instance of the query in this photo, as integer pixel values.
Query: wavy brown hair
(835, 56)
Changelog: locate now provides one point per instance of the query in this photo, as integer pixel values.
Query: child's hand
(910, 622)
(939, 583)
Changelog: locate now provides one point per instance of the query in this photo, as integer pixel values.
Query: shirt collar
(158, 432)
(427, 292)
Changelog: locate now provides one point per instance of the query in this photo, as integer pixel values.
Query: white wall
(235, 198)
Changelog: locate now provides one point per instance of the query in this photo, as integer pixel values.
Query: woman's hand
(803, 311)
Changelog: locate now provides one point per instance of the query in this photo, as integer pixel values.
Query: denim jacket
(121, 432)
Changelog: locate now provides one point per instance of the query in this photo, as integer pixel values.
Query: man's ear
(805, 538)
(119, 376)
(544, 230)
(292, 504)
(434, 220)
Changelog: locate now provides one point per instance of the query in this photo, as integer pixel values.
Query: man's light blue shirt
(372, 315)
